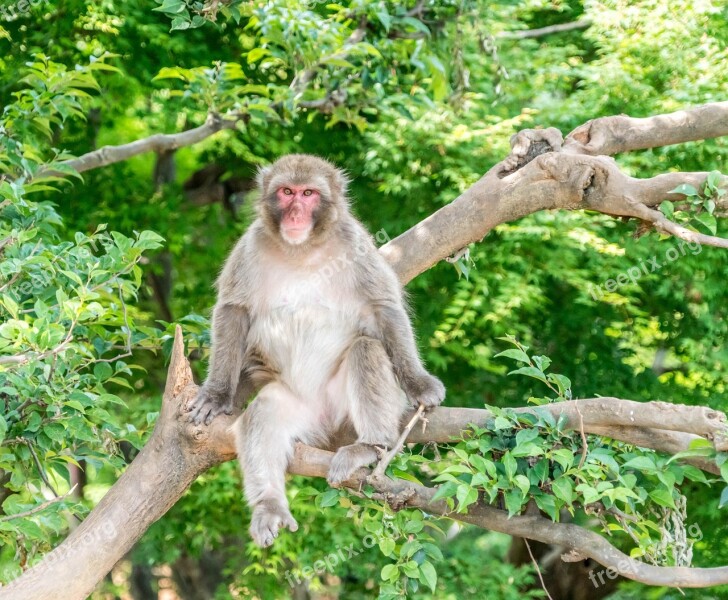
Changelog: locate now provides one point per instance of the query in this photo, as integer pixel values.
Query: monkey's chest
(303, 333)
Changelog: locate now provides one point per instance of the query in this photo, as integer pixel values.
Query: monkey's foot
(348, 459)
(268, 517)
(207, 405)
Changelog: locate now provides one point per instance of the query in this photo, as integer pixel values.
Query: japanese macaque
(324, 344)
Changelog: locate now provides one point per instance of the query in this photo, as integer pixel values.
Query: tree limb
(521, 185)
(313, 462)
(612, 135)
(160, 142)
(543, 31)
(178, 452)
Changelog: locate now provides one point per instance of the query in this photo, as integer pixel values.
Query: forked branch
(178, 452)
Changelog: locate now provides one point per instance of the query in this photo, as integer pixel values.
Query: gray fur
(324, 344)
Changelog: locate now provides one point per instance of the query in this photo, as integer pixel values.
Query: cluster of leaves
(66, 329)
(699, 208)
(190, 14)
(307, 54)
(519, 457)
(404, 537)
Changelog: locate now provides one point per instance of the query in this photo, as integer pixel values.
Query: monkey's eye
(288, 191)
(307, 192)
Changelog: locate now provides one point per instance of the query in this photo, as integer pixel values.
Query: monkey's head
(302, 197)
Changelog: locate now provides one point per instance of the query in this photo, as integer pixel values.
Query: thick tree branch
(612, 135)
(178, 452)
(512, 189)
(160, 142)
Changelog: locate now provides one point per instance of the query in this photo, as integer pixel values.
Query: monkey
(311, 317)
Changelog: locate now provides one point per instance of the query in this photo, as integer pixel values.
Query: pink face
(297, 203)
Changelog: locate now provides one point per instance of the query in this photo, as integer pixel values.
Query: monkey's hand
(426, 390)
(209, 403)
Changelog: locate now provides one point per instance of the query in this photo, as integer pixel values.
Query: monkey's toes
(268, 518)
(347, 460)
(205, 407)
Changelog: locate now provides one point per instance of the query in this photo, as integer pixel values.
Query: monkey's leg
(265, 436)
(375, 404)
(230, 325)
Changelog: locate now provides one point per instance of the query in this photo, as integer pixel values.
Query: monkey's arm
(226, 377)
(399, 343)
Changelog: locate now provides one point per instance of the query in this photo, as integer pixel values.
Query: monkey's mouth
(296, 233)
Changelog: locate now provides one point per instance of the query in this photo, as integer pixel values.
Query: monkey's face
(303, 197)
(298, 205)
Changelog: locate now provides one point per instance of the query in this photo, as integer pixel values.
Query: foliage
(417, 108)
(516, 459)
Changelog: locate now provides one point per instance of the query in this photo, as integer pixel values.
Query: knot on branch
(528, 144)
(572, 556)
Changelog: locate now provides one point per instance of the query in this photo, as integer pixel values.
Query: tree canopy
(540, 270)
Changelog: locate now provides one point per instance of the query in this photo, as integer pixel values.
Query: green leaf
(256, 54)
(713, 180)
(708, 221)
(526, 435)
(563, 457)
(530, 372)
(515, 354)
(414, 526)
(686, 189)
(429, 575)
(723, 498)
(514, 501)
(667, 208)
(502, 423)
(663, 497)
(563, 489)
(390, 573)
(446, 490)
(386, 546)
(55, 431)
(328, 498)
(510, 464)
(385, 19)
(548, 505)
(171, 7)
(523, 483)
(180, 23)
(641, 463)
(466, 495)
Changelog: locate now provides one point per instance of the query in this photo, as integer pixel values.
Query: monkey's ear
(342, 182)
(262, 178)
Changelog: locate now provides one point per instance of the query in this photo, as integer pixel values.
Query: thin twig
(127, 346)
(583, 436)
(388, 456)
(39, 508)
(538, 570)
(43, 476)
